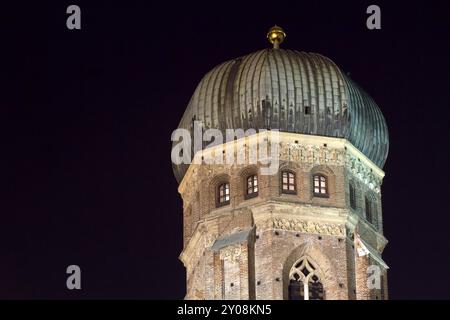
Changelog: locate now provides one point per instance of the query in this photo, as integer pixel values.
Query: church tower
(310, 229)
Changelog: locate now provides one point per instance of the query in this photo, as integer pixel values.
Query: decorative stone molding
(309, 226)
(231, 253)
(311, 154)
(362, 172)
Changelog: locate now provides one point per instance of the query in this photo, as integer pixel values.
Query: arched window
(320, 185)
(352, 194)
(251, 186)
(369, 216)
(371, 211)
(304, 283)
(223, 194)
(288, 183)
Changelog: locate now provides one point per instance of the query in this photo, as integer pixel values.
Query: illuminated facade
(311, 230)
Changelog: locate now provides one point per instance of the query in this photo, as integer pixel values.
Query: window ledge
(222, 204)
(289, 192)
(250, 196)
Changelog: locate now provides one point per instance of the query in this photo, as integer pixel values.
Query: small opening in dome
(307, 110)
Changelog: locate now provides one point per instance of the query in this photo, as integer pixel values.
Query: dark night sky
(87, 117)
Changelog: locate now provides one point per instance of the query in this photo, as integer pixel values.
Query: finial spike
(276, 36)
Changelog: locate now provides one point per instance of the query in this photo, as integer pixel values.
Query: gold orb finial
(276, 36)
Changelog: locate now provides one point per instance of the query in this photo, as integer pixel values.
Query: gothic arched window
(304, 282)
(223, 192)
(320, 188)
(252, 186)
(288, 182)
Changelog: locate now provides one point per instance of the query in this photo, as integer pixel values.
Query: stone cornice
(289, 210)
(302, 148)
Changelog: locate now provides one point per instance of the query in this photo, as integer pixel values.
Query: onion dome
(290, 91)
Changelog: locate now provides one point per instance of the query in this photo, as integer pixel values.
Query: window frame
(253, 186)
(219, 197)
(326, 188)
(304, 281)
(288, 183)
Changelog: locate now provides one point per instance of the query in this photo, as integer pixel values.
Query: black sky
(87, 117)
